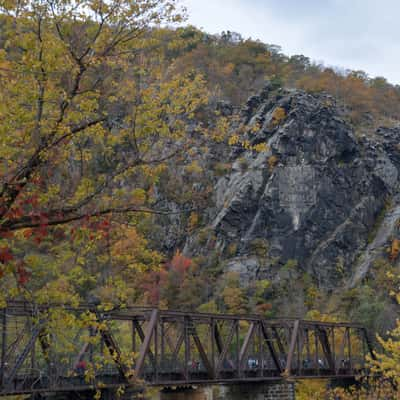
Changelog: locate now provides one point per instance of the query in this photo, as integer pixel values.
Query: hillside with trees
(144, 162)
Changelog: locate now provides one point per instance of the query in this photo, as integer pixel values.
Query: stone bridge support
(259, 391)
(254, 391)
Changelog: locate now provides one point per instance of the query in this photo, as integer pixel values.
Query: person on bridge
(80, 367)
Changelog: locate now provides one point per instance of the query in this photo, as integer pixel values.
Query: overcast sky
(355, 34)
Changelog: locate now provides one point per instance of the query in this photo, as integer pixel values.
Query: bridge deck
(61, 348)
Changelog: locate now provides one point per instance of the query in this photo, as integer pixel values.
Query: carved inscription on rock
(297, 191)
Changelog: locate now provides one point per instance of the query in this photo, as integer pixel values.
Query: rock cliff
(319, 194)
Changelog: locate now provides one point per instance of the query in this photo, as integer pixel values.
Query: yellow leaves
(311, 390)
(278, 116)
(138, 196)
(130, 250)
(85, 188)
(262, 285)
(272, 161)
(129, 242)
(234, 296)
(394, 249)
(233, 140)
(228, 68)
(236, 140)
(51, 193)
(193, 221)
(260, 147)
(220, 131)
(194, 168)
(387, 362)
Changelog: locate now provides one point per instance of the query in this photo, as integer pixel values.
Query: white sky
(354, 34)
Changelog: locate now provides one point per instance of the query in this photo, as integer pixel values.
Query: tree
(88, 117)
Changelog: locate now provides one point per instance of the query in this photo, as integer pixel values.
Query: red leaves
(102, 226)
(28, 233)
(172, 273)
(32, 201)
(180, 263)
(22, 275)
(5, 255)
(6, 234)
(16, 212)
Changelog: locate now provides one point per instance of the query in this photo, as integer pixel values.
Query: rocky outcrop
(314, 196)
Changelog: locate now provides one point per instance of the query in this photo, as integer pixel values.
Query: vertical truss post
(92, 333)
(260, 350)
(238, 366)
(334, 351)
(212, 335)
(349, 349)
(292, 347)
(155, 337)
(133, 332)
(316, 355)
(162, 343)
(187, 347)
(3, 344)
(299, 345)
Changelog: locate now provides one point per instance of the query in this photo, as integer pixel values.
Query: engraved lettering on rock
(297, 190)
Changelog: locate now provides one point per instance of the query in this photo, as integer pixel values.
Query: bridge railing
(61, 347)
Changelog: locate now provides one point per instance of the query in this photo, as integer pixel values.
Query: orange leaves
(180, 263)
(394, 250)
(168, 281)
(129, 243)
(272, 161)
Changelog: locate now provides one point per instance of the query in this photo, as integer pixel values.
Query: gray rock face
(314, 196)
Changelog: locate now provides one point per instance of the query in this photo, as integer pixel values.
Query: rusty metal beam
(369, 344)
(225, 348)
(281, 347)
(178, 346)
(245, 345)
(292, 347)
(3, 344)
(165, 333)
(115, 351)
(144, 349)
(142, 335)
(217, 337)
(22, 357)
(326, 348)
(202, 353)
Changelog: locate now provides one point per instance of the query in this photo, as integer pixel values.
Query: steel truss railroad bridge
(66, 349)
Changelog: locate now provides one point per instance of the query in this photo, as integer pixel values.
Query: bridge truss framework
(68, 349)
